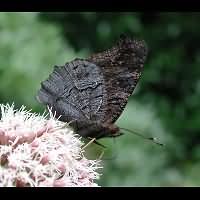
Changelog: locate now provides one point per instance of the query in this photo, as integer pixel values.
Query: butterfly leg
(91, 141)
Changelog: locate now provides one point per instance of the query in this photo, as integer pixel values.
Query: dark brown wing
(74, 91)
(121, 67)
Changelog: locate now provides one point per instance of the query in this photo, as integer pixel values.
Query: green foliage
(165, 103)
(29, 50)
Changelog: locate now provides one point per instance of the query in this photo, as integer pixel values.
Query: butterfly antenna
(153, 139)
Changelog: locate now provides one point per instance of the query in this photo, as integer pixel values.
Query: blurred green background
(165, 103)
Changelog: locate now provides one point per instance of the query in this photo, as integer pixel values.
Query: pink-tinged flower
(40, 151)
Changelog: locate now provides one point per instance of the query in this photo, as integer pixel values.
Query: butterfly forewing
(121, 67)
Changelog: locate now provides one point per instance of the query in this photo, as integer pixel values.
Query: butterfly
(91, 93)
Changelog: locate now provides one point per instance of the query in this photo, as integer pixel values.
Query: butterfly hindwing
(75, 91)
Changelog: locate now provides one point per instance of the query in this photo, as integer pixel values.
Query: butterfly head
(112, 130)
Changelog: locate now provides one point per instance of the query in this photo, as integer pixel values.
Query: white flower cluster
(40, 152)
